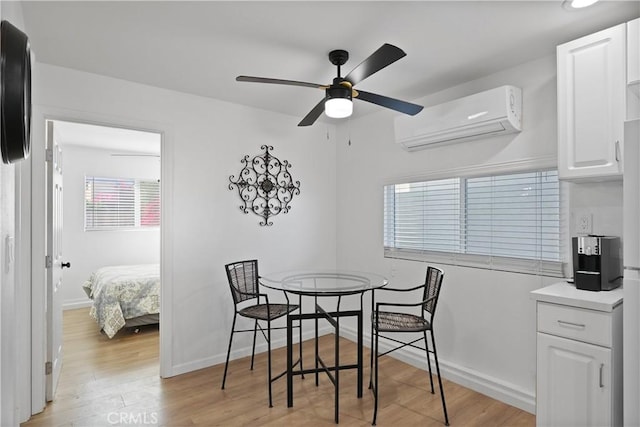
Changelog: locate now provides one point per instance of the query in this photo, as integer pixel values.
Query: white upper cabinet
(591, 105)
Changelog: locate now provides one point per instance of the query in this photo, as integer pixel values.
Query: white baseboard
(77, 303)
(194, 365)
(236, 353)
(477, 381)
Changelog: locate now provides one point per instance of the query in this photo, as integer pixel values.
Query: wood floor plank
(106, 382)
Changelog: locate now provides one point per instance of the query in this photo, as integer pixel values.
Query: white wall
(14, 324)
(204, 141)
(8, 290)
(486, 321)
(88, 251)
(600, 200)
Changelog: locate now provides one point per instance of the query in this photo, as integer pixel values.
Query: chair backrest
(243, 279)
(433, 282)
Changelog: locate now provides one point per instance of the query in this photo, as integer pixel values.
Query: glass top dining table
(323, 282)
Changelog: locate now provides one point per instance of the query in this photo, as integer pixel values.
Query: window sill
(514, 265)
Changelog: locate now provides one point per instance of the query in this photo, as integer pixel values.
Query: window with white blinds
(121, 203)
(502, 222)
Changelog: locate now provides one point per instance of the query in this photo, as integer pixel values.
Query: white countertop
(567, 294)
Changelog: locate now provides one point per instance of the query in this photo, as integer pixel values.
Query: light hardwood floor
(115, 382)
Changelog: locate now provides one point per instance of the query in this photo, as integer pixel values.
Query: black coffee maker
(597, 263)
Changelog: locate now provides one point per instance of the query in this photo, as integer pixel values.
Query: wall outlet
(584, 223)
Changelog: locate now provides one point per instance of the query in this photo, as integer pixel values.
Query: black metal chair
(383, 321)
(243, 280)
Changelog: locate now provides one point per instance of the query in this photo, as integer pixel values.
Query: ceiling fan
(337, 102)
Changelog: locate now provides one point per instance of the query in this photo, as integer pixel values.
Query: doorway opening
(108, 238)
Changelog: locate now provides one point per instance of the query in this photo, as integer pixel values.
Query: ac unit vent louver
(493, 112)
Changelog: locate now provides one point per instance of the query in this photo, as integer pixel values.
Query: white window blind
(121, 203)
(503, 222)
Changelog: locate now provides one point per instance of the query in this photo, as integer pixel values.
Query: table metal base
(333, 372)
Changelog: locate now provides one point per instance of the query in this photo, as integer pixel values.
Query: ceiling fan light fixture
(338, 104)
(577, 4)
(338, 108)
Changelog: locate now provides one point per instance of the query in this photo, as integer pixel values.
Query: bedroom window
(121, 203)
(501, 222)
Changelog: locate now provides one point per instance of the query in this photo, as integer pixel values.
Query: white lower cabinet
(574, 383)
(579, 357)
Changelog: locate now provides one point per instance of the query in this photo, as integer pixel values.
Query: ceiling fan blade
(394, 104)
(387, 54)
(313, 115)
(252, 79)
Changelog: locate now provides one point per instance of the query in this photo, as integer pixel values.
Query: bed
(124, 295)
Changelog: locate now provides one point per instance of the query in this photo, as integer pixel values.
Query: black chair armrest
(398, 304)
(255, 294)
(266, 299)
(286, 295)
(401, 289)
(246, 293)
(403, 304)
(421, 286)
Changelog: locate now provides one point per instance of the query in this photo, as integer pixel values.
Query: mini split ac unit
(493, 112)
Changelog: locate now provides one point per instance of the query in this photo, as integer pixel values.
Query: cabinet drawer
(576, 323)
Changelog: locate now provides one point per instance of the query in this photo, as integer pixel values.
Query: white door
(54, 264)
(574, 383)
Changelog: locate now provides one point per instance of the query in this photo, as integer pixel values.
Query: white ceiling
(200, 47)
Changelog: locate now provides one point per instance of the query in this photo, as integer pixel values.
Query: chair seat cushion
(259, 311)
(399, 322)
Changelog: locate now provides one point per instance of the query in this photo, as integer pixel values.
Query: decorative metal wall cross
(265, 185)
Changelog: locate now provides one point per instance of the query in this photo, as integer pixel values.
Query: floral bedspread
(123, 292)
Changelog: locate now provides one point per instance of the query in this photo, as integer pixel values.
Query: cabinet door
(591, 105)
(573, 383)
